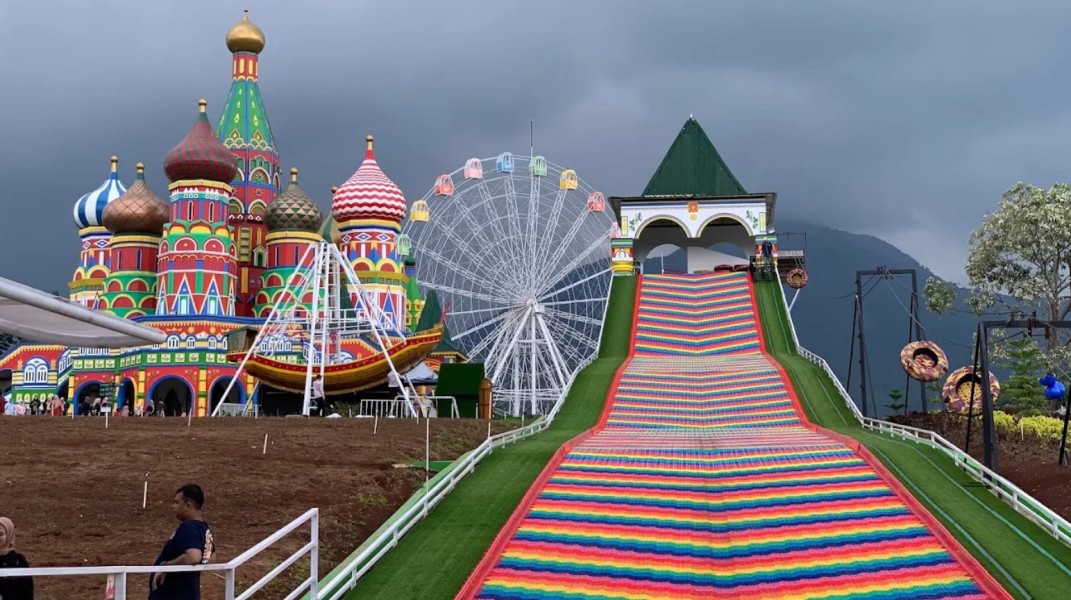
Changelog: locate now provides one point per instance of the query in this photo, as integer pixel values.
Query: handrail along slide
(1007, 491)
(230, 568)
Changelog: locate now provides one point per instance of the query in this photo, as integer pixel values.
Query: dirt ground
(74, 488)
(1025, 461)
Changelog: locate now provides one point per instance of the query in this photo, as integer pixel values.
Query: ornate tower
(369, 209)
(293, 222)
(197, 268)
(243, 128)
(137, 220)
(93, 264)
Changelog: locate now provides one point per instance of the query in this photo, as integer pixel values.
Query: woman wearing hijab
(12, 588)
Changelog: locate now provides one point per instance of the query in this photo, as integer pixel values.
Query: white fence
(119, 575)
(1007, 491)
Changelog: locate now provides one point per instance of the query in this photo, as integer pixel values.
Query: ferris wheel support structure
(326, 319)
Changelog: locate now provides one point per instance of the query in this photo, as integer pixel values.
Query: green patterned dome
(293, 210)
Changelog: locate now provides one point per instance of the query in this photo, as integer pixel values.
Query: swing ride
(352, 348)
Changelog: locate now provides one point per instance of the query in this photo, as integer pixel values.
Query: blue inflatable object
(1054, 390)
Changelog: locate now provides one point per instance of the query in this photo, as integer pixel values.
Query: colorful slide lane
(703, 479)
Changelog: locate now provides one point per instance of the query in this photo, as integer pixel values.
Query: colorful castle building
(215, 254)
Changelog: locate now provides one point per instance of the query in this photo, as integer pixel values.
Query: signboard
(107, 390)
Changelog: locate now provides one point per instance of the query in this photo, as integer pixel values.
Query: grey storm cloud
(902, 119)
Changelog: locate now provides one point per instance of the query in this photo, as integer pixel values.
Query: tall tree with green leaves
(1020, 257)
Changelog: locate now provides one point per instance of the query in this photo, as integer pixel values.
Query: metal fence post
(120, 586)
(228, 584)
(314, 556)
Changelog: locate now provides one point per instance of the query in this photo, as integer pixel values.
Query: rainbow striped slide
(704, 480)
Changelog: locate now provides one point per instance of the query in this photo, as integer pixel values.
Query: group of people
(51, 405)
(191, 544)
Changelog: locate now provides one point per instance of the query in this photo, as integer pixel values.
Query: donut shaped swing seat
(957, 390)
(924, 361)
(796, 278)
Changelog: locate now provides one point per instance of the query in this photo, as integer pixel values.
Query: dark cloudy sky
(904, 119)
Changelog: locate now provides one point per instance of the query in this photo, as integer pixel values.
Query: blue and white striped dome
(89, 210)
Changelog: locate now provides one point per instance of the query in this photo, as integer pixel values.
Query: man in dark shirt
(191, 544)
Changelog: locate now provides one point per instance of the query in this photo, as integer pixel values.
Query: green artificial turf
(436, 557)
(1026, 560)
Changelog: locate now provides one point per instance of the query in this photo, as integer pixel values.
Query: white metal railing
(1007, 491)
(236, 409)
(119, 575)
(384, 407)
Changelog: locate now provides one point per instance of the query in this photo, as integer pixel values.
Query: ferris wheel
(518, 252)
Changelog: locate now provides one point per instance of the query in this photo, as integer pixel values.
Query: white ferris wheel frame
(523, 351)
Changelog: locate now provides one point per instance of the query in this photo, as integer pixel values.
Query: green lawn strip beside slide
(1026, 560)
(436, 556)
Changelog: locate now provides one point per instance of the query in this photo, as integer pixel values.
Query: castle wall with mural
(214, 254)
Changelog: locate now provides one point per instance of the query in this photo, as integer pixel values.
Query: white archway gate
(693, 224)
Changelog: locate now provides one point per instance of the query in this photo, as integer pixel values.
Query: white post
(375, 424)
(314, 557)
(313, 319)
(427, 449)
(489, 429)
(145, 493)
(265, 444)
(106, 413)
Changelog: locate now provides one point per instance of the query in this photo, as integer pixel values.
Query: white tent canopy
(40, 317)
(421, 373)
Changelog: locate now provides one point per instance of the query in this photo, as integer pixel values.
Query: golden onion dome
(245, 36)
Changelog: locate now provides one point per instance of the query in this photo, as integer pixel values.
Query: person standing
(191, 544)
(12, 588)
(318, 393)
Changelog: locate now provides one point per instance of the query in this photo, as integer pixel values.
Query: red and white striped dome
(368, 194)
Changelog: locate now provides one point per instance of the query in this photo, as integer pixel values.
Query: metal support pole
(1062, 459)
(918, 336)
(862, 346)
(970, 405)
(989, 434)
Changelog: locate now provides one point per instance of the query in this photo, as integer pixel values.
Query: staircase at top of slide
(703, 479)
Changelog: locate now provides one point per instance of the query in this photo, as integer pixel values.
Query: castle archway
(171, 394)
(215, 394)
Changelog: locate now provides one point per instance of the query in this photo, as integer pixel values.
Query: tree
(1020, 257)
(896, 396)
(1021, 390)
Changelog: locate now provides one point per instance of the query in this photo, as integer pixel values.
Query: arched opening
(64, 389)
(83, 397)
(215, 394)
(666, 258)
(171, 395)
(126, 395)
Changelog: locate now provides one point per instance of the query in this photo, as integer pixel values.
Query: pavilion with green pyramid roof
(693, 201)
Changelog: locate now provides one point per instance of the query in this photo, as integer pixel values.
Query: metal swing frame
(323, 278)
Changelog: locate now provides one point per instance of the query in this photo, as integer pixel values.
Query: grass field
(1027, 561)
(436, 557)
